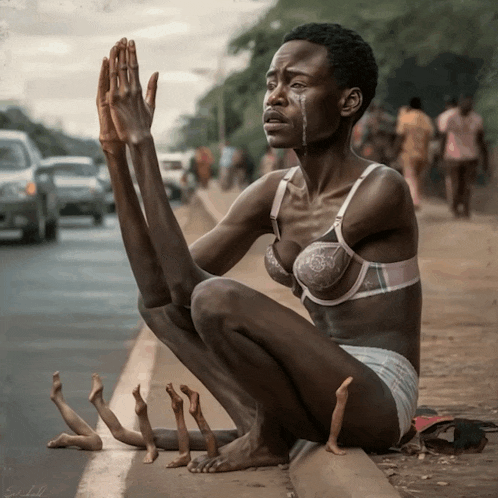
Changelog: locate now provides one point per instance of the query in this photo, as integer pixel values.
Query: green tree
(422, 46)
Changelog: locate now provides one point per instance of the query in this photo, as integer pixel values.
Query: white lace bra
(320, 266)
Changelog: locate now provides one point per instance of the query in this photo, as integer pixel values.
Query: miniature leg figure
(145, 427)
(337, 418)
(86, 438)
(166, 439)
(119, 432)
(183, 437)
(196, 412)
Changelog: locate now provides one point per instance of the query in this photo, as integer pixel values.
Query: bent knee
(97, 443)
(215, 297)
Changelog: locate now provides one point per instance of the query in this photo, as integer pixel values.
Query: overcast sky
(51, 51)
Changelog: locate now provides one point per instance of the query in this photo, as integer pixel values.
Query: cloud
(161, 30)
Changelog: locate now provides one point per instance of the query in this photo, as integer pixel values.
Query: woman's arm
(130, 115)
(241, 227)
(143, 260)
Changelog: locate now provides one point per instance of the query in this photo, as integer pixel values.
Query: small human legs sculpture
(86, 438)
(145, 427)
(338, 417)
(183, 438)
(196, 412)
(119, 432)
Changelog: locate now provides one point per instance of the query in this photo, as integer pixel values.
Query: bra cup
(275, 269)
(321, 265)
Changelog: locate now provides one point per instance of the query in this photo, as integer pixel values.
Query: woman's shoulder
(255, 202)
(383, 202)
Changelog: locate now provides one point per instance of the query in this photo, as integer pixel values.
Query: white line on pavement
(105, 474)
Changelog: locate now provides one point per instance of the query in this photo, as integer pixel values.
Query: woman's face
(302, 100)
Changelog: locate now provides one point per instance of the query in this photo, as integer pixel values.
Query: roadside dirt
(459, 265)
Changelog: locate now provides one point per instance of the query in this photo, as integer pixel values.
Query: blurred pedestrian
(245, 167)
(461, 146)
(414, 130)
(226, 166)
(269, 162)
(450, 107)
(379, 131)
(203, 162)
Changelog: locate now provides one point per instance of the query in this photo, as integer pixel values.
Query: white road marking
(105, 474)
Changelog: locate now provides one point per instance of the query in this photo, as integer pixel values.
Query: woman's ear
(352, 101)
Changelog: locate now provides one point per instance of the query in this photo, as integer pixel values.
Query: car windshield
(167, 165)
(73, 169)
(13, 155)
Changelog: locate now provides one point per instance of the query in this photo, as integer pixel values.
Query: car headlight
(18, 190)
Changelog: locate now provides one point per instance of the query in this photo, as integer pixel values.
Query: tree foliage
(423, 47)
(50, 142)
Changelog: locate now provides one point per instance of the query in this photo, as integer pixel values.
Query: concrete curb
(314, 472)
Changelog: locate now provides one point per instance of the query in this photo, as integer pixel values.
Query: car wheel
(36, 234)
(98, 219)
(52, 230)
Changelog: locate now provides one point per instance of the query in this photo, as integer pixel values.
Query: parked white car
(178, 180)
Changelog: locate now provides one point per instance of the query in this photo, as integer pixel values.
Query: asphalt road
(67, 306)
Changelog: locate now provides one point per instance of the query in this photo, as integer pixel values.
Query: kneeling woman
(346, 244)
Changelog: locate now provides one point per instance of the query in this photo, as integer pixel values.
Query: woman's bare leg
(290, 368)
(122, 434)
(338, 417)
(87, 438)
(196, 412)
(183, 437)
(144, 424)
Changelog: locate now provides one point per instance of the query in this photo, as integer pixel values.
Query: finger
(123, 66)
(133, 67)
(150, 96)
(113, 73)
(103, 86)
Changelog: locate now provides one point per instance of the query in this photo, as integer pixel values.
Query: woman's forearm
(180, 270)
(143, 260)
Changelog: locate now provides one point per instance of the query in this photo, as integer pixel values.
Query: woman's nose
(276, 97)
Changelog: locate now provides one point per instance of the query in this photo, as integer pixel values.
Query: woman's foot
(238, 455)
(97, 388)
(56, 391)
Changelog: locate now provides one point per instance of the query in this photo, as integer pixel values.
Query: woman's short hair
(350, 56)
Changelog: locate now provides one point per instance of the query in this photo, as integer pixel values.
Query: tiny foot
(176, 400)
(181, 461)
(97, 388)
(140, 405)
(58, 442)
(342, 392)
(56, 391)
(151, 456)
(193, 396)
(332, 447)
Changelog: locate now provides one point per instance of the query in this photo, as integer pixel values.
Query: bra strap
(345, 204)
(277, 201)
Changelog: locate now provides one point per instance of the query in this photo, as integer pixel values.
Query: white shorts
(398, 374)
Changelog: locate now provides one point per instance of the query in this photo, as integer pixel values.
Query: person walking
(203, 163)
(414, 130)
(269, 162)
(461, 146)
